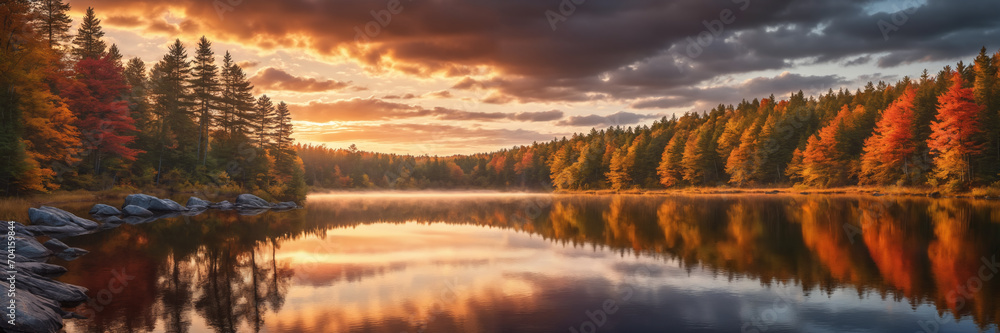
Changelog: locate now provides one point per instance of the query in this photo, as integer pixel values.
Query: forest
(75, 115)
(936, 131)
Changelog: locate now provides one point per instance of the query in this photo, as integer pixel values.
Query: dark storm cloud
(618, 50)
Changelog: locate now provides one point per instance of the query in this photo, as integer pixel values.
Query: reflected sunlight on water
(541, 263)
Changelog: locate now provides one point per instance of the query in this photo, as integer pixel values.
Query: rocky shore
(38, 300)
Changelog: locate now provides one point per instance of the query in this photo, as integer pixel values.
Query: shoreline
(987, 193)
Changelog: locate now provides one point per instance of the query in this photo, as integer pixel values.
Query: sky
(443, 77)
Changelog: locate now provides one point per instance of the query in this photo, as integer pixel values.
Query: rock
(57, 232)
(224, 205)
(71, 254)
(154, 217)
(33, 313)
(43, 269)
(20, 229)
(55, 245)
(44, 287)
(250, 201)
(112, 220)
(194, 202)
(30, 248)
(195, 211)
(133, 210)
(285, 205)
(934, 194)
(55, 217)
(152, 203)
(104, 210)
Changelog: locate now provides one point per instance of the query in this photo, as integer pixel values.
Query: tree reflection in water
(227, 269)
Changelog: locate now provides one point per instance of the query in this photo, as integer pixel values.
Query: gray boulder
(55, 217)
(112, 220)
(195, 202)
(152, 203)
(48, 288)
(31, 248)
(33, 313)
(224, 205)
(43, 269)
(20, 229)
(71, 254)
(250, 201)
(133, 210)
(105, 210)
(63, 251)
(285, 205)
(55, 245)
(57, 232)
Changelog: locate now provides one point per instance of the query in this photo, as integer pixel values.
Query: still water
(467, 262)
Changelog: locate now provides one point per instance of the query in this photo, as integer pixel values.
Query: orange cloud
(271, 78)
(371, 109)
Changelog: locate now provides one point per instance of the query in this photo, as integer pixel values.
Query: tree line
(938, 130)
(75, 115)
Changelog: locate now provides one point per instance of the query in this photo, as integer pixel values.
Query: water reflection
(538, 263)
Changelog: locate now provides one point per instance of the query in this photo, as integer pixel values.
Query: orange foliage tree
(823, 164)
(886, 152)
(953, 134)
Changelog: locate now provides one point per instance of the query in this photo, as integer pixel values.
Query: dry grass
(14, 209)
(992, 191)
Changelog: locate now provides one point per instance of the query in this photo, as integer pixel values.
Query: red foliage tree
(953, 133)
(887, 150)
(103, 118)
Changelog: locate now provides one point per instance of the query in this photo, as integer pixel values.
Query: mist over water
(525, 262)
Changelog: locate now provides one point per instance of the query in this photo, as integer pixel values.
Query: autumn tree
(88, 43)
(104, 119)
(623, 164)
(823, 163)
(37, 131)
(888, 152)
(670, 170)
(954, 133)
(739, 164)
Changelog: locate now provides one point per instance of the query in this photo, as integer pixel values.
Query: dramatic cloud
(271, 78)
(780, 86)
(371, 109)
(662, 56)
(639, 46)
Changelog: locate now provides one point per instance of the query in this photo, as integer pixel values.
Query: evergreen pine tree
(88, 43)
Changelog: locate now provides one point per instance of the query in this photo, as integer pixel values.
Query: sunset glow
(451, 77)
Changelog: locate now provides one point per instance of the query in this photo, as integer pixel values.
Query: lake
(486, 262)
